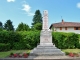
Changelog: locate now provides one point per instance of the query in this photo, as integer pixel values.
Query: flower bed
(18, 55)
(73, 54)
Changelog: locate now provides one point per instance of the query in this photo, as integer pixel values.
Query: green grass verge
(71, 50)
(7, 53)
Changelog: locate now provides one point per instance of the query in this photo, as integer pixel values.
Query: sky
(23, 10)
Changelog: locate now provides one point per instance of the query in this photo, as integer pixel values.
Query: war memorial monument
(46, 47)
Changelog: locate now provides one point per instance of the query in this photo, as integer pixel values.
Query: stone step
(47, 54)
(46, 46)
(46, 50)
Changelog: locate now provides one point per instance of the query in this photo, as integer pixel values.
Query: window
(79, 28)
(60, 28)
(65, 28)
(76, 28)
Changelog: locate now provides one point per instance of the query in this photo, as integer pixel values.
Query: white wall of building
(70, 29)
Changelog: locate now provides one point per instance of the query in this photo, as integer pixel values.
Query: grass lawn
(7, 53)
(71, 50)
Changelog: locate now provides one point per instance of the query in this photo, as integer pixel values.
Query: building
(66, 27)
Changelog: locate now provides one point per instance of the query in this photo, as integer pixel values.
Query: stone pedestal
(46, 51)
(46, 47)
(46, 38)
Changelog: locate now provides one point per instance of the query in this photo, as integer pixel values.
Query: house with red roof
(66, 27)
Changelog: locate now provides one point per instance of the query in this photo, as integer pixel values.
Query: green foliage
(21, 39)
(65, 40)
(4, 47)
(37, 18)
(30, 39)
(67, 53)
(1, 25)
(22, 27)
(18, 46)
(9, 37)
(1, 29)
(8, 26)
(38, 26)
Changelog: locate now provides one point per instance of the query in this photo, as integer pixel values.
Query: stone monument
(46, 35)
(46, 47)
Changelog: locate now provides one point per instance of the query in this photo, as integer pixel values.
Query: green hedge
(9, 37)
(30, 39)
(4, 47)
(65, 40)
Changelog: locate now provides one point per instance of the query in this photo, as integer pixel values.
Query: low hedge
(65, 40)
(30, 39)
(4, 47)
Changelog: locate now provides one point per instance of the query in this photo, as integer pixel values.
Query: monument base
(46, 44)
(46, 50)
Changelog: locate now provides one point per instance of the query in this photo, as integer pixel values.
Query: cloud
(78, 5)
(27, 9)
(10, 0)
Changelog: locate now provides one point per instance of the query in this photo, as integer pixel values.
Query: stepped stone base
(43, 50)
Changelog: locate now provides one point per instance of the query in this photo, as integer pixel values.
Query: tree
(22, 27)
(1, 25)
(8, 26)
(37, 18)
(38, 26)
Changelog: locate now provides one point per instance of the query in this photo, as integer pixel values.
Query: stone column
(46, 34)
(45, 20)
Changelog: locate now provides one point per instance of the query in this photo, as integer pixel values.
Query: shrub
(18, 46)
(9, 37)
(67, 53)
(4, 47)
(30, 39)
(21, 39)
(65, 40)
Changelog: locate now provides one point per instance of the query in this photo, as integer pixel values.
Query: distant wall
(70, 29)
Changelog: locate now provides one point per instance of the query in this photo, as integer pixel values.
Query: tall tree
(1, 25)
(22, 27)
(37, 18)
(8, 26)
